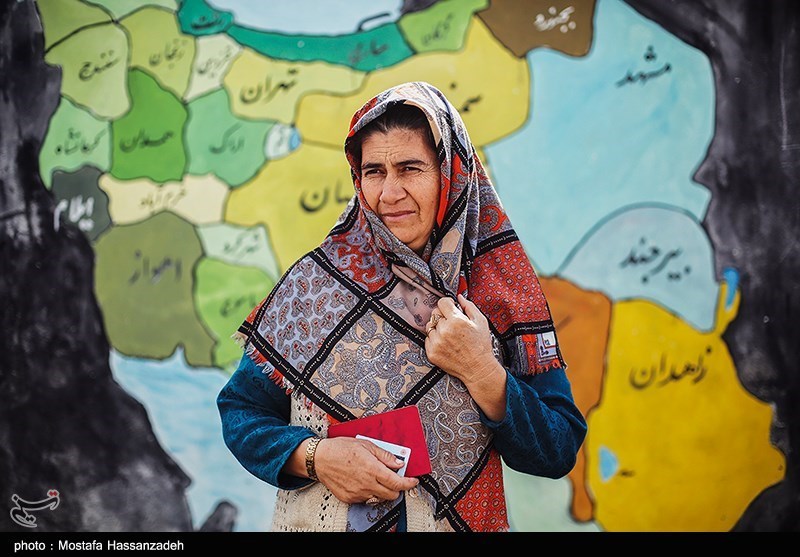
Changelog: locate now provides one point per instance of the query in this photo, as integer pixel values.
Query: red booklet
(401, 426)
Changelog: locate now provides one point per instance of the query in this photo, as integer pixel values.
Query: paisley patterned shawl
(344, 326)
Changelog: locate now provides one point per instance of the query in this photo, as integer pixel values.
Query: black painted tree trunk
(753, 172)
(65, 424)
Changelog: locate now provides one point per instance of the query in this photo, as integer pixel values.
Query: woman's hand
(459, 342)
(356, 470)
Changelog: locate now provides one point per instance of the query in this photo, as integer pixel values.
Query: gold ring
(372, 501)
(435, 317)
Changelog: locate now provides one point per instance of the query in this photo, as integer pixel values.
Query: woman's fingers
(447, 307)
(355, 470)
(470, 309)
(462, 342)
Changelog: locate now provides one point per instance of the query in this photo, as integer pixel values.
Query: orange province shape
(676, 443)
(582, 320)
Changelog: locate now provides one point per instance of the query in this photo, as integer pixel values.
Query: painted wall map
(196, 147)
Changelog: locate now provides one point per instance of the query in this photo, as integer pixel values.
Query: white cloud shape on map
(656, 253)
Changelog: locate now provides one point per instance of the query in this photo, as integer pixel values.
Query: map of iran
(201, 154)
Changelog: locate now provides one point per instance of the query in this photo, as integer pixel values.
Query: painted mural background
(196, 148)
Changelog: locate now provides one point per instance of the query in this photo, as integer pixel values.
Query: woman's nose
(393, 189)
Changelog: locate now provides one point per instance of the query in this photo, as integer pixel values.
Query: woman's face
(400, 181)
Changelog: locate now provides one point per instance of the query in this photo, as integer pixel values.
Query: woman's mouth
(395, 216)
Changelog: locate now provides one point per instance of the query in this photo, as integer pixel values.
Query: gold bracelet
(311, 450)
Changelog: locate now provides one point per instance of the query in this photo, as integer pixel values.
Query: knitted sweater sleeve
(543, 430)
(255, 415)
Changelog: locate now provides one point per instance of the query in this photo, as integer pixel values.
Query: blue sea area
(311, 17)
(181, 403)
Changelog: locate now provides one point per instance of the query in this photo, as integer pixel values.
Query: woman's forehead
(396, 145)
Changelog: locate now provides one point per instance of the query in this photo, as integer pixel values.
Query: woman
(420, 294)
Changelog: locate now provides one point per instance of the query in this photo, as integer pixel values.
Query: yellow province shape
(297, 198)
(213, 56)
(94, 70)
(160, 48)
(267, 89)
(198, 199)
(676, 443)
(484, 81)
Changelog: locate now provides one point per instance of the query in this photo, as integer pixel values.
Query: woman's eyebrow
(407, 162)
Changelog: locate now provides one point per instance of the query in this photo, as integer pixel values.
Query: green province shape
(369, 50)
(217, 142)
(160, 49)
(94, 68)
(148, 140)
(144, 280)
(74, 139)
(440, 27)
(61, 18)
(239, 246)
(196, 17)
(225, 296)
